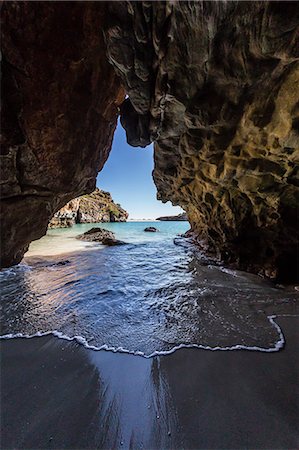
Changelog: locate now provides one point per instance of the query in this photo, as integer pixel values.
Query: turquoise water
(152, 296)
(62, 240)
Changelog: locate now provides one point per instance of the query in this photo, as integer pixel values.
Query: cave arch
(63, 86)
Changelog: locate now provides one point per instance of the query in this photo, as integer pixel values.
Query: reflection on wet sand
(56, 394)
(137, 407)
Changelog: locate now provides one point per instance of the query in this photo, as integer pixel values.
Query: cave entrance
(127, 175)
(125, 185)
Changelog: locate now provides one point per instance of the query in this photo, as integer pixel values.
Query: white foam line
(81, 340)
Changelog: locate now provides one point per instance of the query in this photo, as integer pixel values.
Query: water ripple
(148, 299)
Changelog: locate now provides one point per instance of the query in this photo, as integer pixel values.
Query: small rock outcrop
(90, 208)
(97, 234)
(179, 218)
(151, 229)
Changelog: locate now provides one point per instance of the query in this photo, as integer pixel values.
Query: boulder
(96, 235)
(151, 229)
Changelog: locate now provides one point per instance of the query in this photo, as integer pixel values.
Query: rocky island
(180, 217)
(90, 208)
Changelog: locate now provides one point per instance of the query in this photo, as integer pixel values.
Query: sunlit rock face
(60, 98)
(215, 86)
(90, 208)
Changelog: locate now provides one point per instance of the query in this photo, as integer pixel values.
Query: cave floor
(58, 395)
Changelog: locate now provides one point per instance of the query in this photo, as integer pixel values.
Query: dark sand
(56, 394)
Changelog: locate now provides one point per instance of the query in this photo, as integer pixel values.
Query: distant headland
(179, 217)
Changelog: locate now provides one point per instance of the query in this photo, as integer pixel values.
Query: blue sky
(127, 175)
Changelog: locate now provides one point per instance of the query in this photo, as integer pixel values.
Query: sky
(127, 175)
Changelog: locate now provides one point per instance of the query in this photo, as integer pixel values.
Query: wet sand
(58, 395)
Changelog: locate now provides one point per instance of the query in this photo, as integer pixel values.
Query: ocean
(150, 297)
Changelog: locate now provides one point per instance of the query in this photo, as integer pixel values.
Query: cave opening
(125, 192)
(214, 84)
(127, 175)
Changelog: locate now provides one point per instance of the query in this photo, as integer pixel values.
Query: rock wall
(66, 216)
(60, 105)
(90, 208)
(215, 86)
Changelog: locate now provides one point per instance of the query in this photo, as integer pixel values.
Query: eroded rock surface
(60, 102)
(215, 85)
(90, 208)
(101, 235)
(96, 234)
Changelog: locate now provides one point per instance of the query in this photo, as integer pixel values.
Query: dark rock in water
(96, 235)
(180, 217)
(100, 235)
(111, 242)
(151, 229)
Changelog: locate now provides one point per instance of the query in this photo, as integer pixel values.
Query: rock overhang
(213, 84)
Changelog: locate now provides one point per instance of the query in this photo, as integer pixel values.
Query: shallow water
(148, 297)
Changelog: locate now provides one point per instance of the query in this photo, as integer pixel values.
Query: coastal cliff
(90, 208)
(213, 84)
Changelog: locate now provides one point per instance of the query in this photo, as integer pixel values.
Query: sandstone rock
(180, 217)
(60, 99)
(151, 229)
(215, 85)
(66, 216)
(61, 222)
(96, 235)
(90, 208)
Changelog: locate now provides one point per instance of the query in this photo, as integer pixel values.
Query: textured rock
(100, 235)
(215, 85)
(90, 208)
(60, 103)
(66, 216)
(96, 234)
(100, 207)
(180, 217)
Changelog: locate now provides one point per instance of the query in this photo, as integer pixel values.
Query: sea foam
(82, 341)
